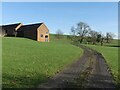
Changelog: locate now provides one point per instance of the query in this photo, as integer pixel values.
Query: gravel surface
(100, 76)
(90, 71)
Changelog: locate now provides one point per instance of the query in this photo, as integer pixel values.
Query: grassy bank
(27, 63)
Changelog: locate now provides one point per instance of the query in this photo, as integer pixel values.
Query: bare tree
(74, 36)
(15, 33)
(73, 32)
(109, 37)
(98, 37)
(94, 36)
(79, 33)
(102, 39)
(82, 29)
(59, 34)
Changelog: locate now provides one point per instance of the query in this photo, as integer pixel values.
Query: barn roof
(11, 25)
(8, 27)
(30, 27)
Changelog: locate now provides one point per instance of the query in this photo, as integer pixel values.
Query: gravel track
(90, 71)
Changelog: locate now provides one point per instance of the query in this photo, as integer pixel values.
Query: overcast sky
(100, 16)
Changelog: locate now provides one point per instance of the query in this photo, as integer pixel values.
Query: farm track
(90, 71)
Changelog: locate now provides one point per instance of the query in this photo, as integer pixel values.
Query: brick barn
(38, 32)
(10, 30)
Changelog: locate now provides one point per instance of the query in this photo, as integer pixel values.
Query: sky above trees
(100, 16)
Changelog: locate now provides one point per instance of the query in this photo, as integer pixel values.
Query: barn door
(46, 38)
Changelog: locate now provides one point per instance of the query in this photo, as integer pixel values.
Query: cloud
(117, 36)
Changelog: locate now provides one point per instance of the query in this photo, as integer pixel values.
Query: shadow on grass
(27, 83)
(24, 82)
(113, 46)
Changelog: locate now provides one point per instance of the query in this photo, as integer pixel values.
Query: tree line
(83, 33)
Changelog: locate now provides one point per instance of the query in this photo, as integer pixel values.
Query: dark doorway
(46, 38)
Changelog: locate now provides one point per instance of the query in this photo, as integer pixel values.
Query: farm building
(2, 31)
(38, 32)
(9, 30)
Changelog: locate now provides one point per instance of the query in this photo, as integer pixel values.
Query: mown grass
(110, 53)
(27, 63)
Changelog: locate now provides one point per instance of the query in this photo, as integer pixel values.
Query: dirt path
(100, 76)
(89, 71)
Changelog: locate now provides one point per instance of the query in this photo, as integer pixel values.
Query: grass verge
(111, 56)
(27, 63)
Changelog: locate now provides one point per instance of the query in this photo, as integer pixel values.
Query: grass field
(110, 53)
(27, 63)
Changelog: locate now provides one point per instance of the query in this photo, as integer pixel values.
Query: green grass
(113, 42)
(26, 63)
(110, 53)
(62, 40)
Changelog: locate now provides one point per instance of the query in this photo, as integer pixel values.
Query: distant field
(27, 63)
(110, 52)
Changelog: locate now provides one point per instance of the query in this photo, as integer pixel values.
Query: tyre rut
(67, 77)
(100, 76)
(90, 71)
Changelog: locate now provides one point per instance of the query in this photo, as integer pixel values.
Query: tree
(89, 39)
(94, 36)
(73, 32)
(74, 37)
(102, 39)
(59, 34)
(15, 33)
(98, 38)
(109, 37)
(82, 29)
